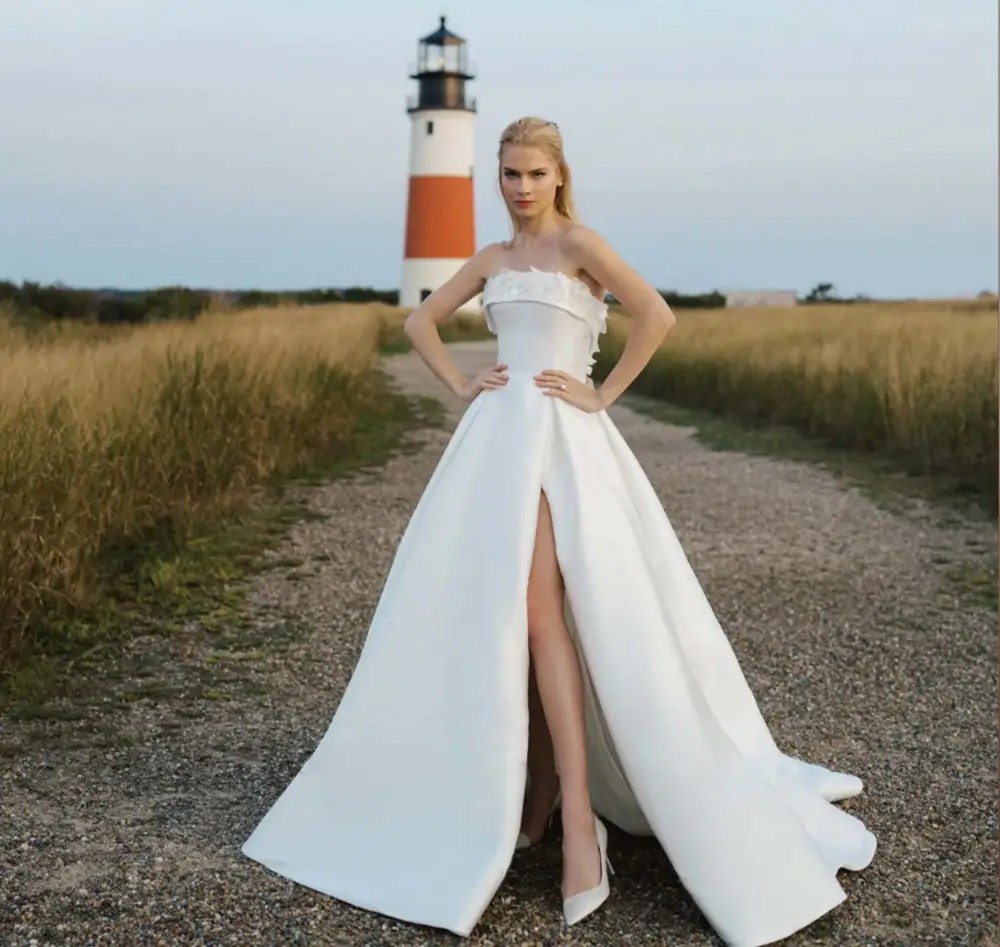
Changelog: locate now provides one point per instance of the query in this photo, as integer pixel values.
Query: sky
(716, 144)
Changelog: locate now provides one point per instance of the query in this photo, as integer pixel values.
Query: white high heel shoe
(577, 907)
(524, 841)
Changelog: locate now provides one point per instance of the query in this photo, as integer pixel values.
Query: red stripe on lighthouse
(439, 218)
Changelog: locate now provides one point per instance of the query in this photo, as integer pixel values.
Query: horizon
(862, 297)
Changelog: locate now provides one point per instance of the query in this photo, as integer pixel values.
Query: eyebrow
(532, 171)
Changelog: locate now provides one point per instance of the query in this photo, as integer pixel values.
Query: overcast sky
(715, 143)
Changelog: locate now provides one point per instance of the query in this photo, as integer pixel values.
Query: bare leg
(543, 780)
(560, 688)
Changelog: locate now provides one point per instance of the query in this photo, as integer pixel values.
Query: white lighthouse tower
(440, 219)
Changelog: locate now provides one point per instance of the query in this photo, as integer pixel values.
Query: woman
(541, 627)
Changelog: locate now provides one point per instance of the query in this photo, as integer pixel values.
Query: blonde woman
(542, 645)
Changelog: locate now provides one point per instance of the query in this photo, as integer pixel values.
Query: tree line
(57, 301)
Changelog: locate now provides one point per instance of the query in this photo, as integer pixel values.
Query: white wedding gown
(410, 804)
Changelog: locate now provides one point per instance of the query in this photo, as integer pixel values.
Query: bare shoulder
(589, 252)
(466, 283)
(485, 262)
(608, 268)
(493, 255)
(579, 236)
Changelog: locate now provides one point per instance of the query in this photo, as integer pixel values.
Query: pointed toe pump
(577, 907)
(523, 841)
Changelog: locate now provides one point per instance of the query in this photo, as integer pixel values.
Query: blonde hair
(538, 133)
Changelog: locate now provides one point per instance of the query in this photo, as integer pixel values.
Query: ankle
(577, 814)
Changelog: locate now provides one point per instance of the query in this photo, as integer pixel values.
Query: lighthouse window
(430, 128)
(424, 293)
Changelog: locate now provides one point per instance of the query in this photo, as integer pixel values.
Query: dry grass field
(913, 381)
(108, 433)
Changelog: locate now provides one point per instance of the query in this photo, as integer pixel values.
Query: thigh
(545, 581)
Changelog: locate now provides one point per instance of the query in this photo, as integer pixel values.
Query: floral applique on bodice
(551, 288)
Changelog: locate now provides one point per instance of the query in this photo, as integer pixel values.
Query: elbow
(656, 312)
(662, 316)
(667, 318)
(666, 328)
(414, 323)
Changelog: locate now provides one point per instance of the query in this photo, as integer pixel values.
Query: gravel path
(124, 828)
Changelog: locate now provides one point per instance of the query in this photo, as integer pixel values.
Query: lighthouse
(440, 220)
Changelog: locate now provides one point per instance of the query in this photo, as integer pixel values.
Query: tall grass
(105, 433)
(914, 381)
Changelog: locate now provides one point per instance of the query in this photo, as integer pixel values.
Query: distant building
(738, 298)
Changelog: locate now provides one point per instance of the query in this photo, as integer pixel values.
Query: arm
(652, 317)
(420, 326)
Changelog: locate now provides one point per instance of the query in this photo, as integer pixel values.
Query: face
(528, 180)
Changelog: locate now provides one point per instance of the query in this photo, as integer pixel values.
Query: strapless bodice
(544, 319)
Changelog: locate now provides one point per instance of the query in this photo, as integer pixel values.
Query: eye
(539, 173)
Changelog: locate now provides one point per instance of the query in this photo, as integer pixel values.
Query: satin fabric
(410, 804)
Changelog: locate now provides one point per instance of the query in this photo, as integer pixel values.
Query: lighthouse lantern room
(440, 220)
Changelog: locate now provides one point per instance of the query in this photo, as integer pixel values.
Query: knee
(544, 616)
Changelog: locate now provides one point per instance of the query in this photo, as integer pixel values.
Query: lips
(524, 203)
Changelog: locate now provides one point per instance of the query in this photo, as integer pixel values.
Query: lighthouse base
(422, 275)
